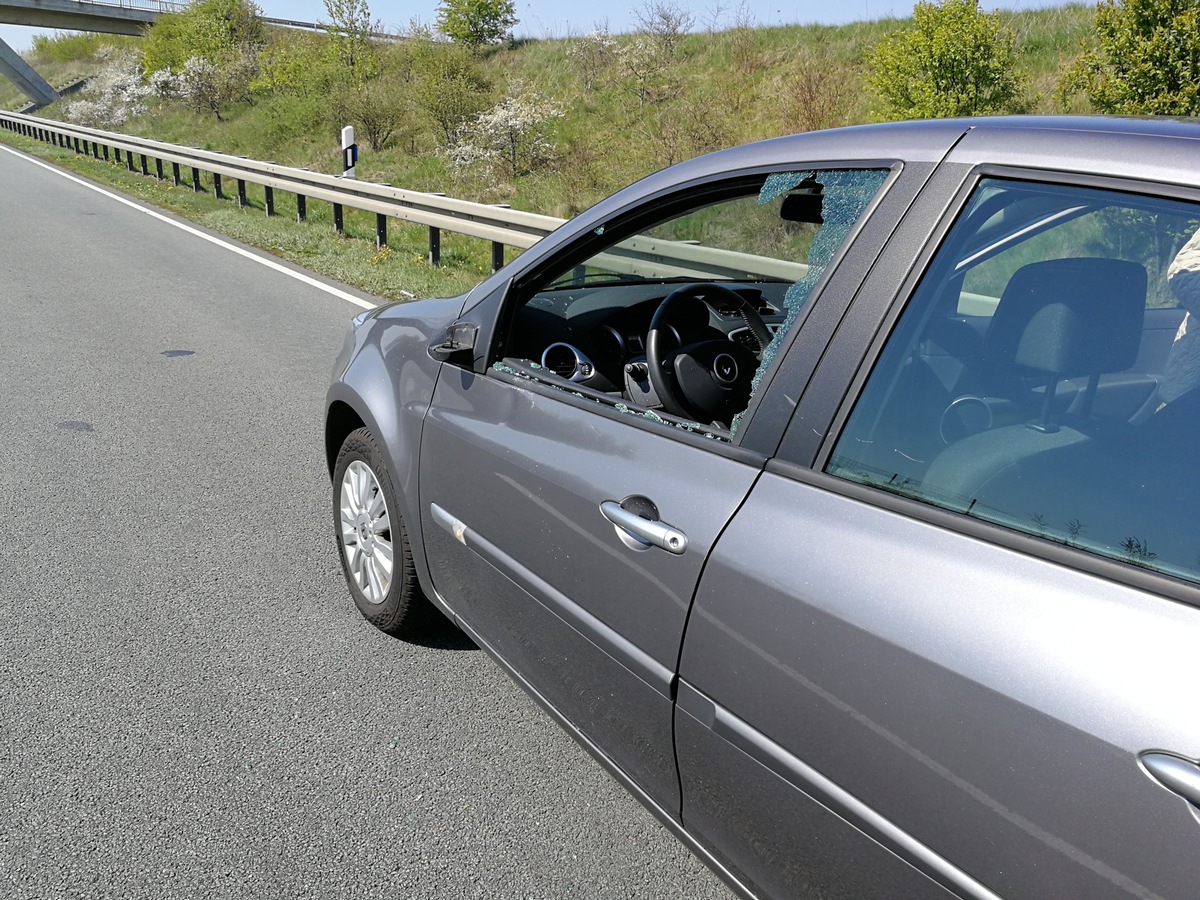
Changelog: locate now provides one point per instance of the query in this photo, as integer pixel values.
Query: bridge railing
(498, 224)
(166, 6)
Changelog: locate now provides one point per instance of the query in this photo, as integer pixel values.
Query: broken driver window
(676, 321)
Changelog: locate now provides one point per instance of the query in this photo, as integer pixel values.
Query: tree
(1148, 61)
(350, 29)
(957, 61)
(665, 22)
(477, 22)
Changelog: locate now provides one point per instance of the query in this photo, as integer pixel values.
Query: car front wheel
(372, 542)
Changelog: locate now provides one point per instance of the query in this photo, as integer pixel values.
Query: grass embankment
(720, 89)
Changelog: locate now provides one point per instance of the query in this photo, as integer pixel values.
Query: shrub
(446, 87)
(956, 61)
(593, 54)
(296, 63)
(511, 136)
(117, 93)
(1148, 61)
(207, 29)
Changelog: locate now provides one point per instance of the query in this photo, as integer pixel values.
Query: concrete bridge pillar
(20, 73)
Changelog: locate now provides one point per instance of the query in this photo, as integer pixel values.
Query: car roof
(1113, 143)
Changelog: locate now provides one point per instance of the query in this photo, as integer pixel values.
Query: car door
(966, 640)
(531, 481)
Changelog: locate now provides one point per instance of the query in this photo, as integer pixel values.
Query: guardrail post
(196, 186)
(76, 142)
(380, 230)
(129, 160)
(175, 179)
(301, 208)
(269, 199)
(145, 165)
(497, 247)
(105, 149)
(338, 224)
(435, 246)
(95, 150)
(241, 195)
(217, 187)
(158, 170)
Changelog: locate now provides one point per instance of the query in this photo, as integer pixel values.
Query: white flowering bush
(118, 92)
(210, 85)
(511, 138)
(165, 83)
(593, 54)
(199, 83)
(644, 60)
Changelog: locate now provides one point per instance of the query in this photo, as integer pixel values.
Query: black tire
(394, 605)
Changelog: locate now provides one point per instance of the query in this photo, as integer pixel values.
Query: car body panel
(545, 577)
(835, 691)
(987, 740)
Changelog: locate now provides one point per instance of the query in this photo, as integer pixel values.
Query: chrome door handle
(656, 533)
(1182, 776)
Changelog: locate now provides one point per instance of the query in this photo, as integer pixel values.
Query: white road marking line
(269, 263)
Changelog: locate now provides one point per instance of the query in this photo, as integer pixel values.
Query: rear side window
(1045, 376)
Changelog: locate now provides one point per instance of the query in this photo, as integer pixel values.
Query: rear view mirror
(802, 208)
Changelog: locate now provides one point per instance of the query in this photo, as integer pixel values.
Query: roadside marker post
(349, 152)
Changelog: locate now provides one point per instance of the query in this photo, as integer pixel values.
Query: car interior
(1027, 381)
(673, 320)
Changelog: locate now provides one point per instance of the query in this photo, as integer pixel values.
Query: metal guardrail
(502, 226)
(499, 224)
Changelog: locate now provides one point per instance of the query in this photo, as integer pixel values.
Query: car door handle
(1182, 776)
(649, 531)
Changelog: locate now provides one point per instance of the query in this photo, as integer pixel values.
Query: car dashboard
(591, 335)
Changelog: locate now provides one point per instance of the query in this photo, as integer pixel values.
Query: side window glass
(675, 319)
(1044, 375)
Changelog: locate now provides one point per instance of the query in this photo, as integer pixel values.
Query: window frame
(833, 406)
(758, 436)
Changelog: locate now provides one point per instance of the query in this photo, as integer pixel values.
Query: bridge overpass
(105, 16)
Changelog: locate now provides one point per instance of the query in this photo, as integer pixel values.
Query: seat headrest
(1070, 317)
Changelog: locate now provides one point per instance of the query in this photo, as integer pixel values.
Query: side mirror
(456, 345)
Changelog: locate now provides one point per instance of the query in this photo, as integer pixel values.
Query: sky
(562, 18)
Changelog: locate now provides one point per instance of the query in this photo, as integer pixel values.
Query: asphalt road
(190, 705)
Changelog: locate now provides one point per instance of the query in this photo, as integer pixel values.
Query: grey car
(839, 493)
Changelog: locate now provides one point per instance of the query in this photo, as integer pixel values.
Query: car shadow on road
(439, 633)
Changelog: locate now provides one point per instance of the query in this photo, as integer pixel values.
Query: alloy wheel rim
(366, 532)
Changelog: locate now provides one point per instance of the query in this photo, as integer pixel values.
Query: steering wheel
(708, 381)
